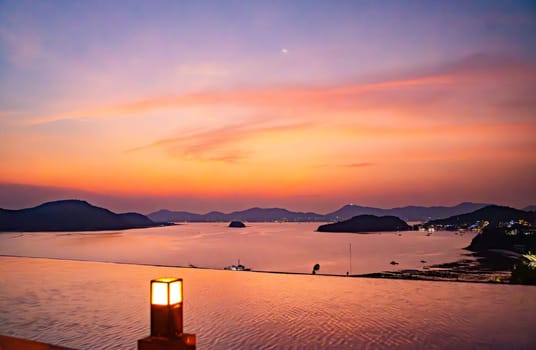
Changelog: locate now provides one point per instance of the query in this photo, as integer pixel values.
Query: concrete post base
(185, 342)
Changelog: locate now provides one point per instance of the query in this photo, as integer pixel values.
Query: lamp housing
(166, 307)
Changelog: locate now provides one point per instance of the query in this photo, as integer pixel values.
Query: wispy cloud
(308, 97)
(347, 165)
(357, 165)
(329, 96)
(8, 113)
(220, 144)
(439, 131)
(203, 70)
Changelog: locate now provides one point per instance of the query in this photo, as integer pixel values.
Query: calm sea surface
(96, 305)
(288, 247)
(90, 305)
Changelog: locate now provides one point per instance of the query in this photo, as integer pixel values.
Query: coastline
(489, 267)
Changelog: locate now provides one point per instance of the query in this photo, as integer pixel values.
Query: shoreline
(489, 267)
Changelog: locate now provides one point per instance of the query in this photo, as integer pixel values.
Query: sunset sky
(308, 105)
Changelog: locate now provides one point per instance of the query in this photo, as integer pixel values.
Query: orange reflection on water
(102, 305)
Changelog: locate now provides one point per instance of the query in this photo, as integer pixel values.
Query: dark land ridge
(366, 223)
(237, 224)
(486, 267)
(494, 215)
(491, 266)
(70, 215)
(408, 213)
(502, 251)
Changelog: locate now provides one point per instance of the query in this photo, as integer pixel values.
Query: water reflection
(289, 247)
(91, 305)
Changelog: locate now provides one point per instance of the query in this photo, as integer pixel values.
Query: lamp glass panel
(175, 292)
(159, 293)
(166, 279)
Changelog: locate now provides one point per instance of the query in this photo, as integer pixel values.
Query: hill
(409, 213)
(494, 214)
(366, 223)
(250, 215)
(518, 239)
(69, 215)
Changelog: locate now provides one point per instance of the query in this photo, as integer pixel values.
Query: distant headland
(70, 215)
(237, 224)
(408, 213)
(366, 223)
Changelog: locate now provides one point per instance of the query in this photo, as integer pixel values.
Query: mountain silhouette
(251, 215)
(69, 215)
(502, 233)
(409, 213)
(530, 208)
(494, 214)
(366, 223)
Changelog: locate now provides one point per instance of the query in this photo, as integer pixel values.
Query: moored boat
(238, 267)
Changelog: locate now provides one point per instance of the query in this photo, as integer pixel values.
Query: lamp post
(166, 299)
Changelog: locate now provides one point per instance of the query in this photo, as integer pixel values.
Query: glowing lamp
(166, 291)
(166, 318)
(166, 307)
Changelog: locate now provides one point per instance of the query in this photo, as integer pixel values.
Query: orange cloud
(387, 92)
(272, 98)
(207, 145)
(395, 133)
(357, 165)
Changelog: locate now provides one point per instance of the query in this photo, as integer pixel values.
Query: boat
(238, 267)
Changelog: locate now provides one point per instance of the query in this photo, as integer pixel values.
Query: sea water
(90, 305)
(96, 305)
(285, 247)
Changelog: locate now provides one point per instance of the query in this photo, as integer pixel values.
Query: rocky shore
(489, 267)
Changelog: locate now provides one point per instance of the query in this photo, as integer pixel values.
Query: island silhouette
(70, 215)
(365, 224)
(408, 213)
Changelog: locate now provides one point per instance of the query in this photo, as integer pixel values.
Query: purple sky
(224, 105)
